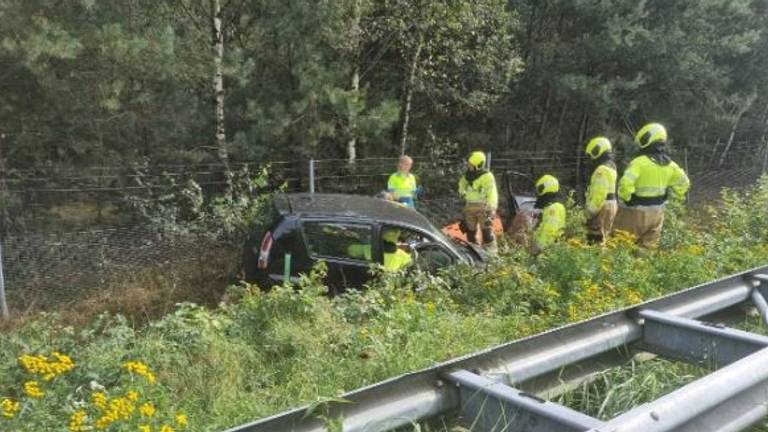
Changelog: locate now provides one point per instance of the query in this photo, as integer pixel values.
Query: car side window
(336, 240)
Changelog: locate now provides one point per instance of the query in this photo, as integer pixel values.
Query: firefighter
(646, 184)
(394, 257)
(402, 184)
(477, 188)
(601, 192)
(552, 221)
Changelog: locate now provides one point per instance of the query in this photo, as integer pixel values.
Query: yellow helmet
(390, 235)
(476, 159)
(547, 184)
(598, 146)
(649, 134)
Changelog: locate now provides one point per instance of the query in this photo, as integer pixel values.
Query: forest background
(89, 82)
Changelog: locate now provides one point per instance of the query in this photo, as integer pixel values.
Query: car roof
(350, 206)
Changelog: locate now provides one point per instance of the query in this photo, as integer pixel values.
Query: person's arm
(462, 187)
(491, 192)
(599, 187)
(679, 183)
(627, 182)
(391, 187)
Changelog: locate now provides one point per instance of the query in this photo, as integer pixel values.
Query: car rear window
(335, 240)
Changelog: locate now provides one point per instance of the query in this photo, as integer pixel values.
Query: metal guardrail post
(488, 162)
(311, 176)
(4, 313)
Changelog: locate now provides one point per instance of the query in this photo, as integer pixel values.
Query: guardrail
(500, 389)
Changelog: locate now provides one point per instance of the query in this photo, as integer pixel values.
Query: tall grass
(259, 353)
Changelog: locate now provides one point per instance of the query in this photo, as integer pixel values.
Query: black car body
(308, 228)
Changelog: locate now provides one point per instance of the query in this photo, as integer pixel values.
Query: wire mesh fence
(69, 234)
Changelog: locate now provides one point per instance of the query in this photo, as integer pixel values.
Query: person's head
(547, 184)
(390, 235)
(597, 147)
(476, 160)
(404, 164)
(651, 135)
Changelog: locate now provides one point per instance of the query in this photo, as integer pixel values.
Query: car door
(346, 247)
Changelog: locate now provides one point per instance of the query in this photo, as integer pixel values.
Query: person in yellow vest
(402, 184)
(394, 258)
(646, 184)
(477, 188)
(552, 221)
(601, 206)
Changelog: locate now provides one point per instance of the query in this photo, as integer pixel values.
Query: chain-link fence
(70, 235)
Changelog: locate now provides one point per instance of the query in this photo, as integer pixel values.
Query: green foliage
(262, 352)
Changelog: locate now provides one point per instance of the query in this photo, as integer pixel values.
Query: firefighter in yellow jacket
(646, 185)
(552, 223)
(601, 203)
(477, 187)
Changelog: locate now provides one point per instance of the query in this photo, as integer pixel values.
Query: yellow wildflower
(145, 428)
(119, 409)
(9, 408)
(32, 389)
(147, 409)
(140, 368)
(166, 428)
(132, 395)
(99, 400)
(181, 420)
(77, 421)
(47, 368)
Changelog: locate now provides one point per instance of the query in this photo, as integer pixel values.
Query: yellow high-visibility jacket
(601, 186)
(551, 226)
(393, 261)
(404, 187)
(645, 183)
(396, 260)
(480, 191)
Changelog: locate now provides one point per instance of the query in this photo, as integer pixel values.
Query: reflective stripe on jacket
(404, 188)
(482, 190)
(647, 182)
(551, 226)
(601, 185)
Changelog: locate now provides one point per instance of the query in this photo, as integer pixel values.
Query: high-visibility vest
(481, 191)
(394, 261)
(551, 226)
(602, 188)
(404, 188)
(646, 183)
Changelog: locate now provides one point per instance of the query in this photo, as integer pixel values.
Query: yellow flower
(9, 408)
(140, 368)
(32, 389)
(132, 395)
(166, 428)
(147, 409)
(77, 420)
(119, 409)
(99, 399)
(47, 368)
(145, 428)
(181, 420)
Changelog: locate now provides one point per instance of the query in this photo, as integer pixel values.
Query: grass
(259, 353)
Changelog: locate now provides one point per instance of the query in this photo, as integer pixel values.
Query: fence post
(765, 157)
(488, 162)
(4, 314)
(311, 176)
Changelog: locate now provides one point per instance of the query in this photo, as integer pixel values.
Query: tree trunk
(352, 143)
(405, 107)
(218, 84)
(355, 84)
(730, 141)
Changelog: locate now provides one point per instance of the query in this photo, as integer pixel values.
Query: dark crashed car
(308, 228)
